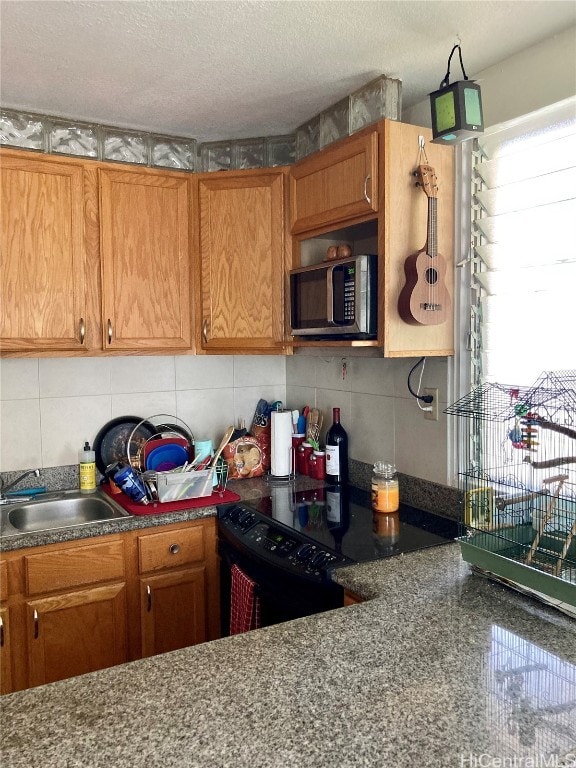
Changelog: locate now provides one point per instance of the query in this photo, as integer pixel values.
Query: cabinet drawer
(3, 580)
(170, 549)
(65, 568)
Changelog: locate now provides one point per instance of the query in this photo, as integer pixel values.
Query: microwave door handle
(330, 295)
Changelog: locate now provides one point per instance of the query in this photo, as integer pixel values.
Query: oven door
(283, 596)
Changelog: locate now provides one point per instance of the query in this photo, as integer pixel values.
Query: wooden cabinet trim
(80, 566)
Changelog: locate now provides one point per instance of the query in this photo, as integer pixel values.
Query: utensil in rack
(313, 424)
(223, 443)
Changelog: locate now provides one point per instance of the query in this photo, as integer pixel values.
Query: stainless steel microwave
(335, 299)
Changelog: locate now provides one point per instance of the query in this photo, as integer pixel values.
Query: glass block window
(21, 130)
(169, 152)
(378, 99)
(249, 153)
(334, 122)
(74, 139)
(281, 150)
(125, 147)
(216, 156)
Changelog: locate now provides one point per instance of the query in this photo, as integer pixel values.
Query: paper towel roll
(281, 440)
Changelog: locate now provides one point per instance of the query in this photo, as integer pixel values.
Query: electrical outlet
(433, 414)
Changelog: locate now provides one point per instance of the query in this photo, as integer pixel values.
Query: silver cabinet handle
(149, 596)
(205, 331)
(1, 632)
(174, 549)
(82, 330)
(109, 331)
(368, 200)
(36, 627)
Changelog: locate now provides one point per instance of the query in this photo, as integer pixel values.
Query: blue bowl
(166, 457)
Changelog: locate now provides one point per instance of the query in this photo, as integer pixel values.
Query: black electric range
(308, 533)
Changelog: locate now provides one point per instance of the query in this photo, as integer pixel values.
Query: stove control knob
(320, 559)
(234, 513)
(245, 518)
(304, 553)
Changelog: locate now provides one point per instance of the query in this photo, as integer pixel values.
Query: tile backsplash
(50, 406)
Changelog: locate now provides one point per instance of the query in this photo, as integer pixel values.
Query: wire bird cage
(518, 476)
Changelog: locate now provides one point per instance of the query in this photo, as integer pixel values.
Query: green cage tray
(503, 555)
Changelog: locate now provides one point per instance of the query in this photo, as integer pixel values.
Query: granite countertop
(247, 490)
(442, 668)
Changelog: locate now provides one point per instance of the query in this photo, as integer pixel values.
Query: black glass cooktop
(341, 520)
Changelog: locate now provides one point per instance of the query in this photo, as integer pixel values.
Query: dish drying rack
(180, 483)
(518, 475)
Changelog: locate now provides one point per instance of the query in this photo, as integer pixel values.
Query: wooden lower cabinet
(173, 610)
(76, 607)
(351, 598)
(6, 683)
(178, 587)
(76, 632)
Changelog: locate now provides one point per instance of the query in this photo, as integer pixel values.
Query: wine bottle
(336, 451)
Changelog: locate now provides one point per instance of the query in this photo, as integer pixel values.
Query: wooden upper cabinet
(144, 221)
(242, 260)
(43, 290)
(335, 185)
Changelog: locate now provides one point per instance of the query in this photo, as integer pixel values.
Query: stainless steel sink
(58, 510)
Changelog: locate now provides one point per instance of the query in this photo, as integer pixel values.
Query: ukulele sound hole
(431, 276)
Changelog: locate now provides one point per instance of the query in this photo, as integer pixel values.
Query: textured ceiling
(216, 70)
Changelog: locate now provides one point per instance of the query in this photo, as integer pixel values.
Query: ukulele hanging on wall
(424, 299)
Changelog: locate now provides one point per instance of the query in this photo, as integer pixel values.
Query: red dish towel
(244, 603)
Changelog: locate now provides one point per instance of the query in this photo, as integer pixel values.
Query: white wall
(376, 409)
(49, 407)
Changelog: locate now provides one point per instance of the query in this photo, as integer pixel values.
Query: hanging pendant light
(457, 108)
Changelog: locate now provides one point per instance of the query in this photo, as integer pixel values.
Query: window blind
(524, 247)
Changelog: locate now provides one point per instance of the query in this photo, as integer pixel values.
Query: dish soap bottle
(87, 468)
(385, 490)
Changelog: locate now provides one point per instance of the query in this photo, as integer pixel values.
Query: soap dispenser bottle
(87, 468)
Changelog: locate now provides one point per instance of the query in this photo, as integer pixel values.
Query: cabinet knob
(36, 628)
(109, 331)
(1, 632)
(368, 199)
(174, 549)
(205, 331)
(149, 598)
(82, 330)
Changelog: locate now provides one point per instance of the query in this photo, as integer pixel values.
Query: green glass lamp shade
(456, 112)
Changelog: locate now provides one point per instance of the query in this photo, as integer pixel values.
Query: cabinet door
(336, 184)
(5, 652)
(242, 260)
(144, 220)
(173, 610)
(42, 255)
(75, 633)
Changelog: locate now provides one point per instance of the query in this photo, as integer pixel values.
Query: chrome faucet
(4, 489)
